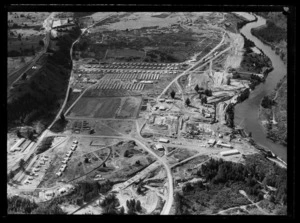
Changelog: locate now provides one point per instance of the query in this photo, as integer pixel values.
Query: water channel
(246, 113)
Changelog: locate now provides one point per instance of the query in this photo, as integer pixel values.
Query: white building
(159, 147)
(229, 152)
(164, 140)
(211, 142)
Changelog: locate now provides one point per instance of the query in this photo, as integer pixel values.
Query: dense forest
(271, 33)
(224, 179)
(19, 205)
(38, 97)
(84, 192)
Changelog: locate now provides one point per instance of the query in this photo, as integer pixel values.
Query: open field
(27, 18)
(125, 107)
(25, 46)
(13, 63)
(96, 107)
(116, 54)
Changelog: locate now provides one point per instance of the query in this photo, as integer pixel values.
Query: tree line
(45, 88)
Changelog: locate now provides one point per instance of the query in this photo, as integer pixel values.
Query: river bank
(278, 50)
(274, 119)
(247, 112)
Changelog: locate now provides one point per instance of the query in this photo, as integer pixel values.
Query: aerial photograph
(147, 112)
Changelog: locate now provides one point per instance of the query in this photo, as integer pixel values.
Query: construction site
(146, 111)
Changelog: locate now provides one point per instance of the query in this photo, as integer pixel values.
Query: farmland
(125, 107)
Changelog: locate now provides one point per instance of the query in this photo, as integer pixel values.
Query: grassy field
(96, 107)
(130, 107)
(120, 53)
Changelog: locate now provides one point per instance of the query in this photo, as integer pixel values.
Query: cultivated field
(96, 107)
(120, 107)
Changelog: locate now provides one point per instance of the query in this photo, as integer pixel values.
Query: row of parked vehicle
(36, 169)
(67, 158)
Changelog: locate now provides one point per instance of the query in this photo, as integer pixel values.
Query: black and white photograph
(149, 110)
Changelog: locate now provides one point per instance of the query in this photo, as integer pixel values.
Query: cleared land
(125, 107)
(96, 107)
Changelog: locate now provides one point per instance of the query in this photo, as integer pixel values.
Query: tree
(133, 206)
(187, 102)
(10, 175)
(172, 94)
(138, 206)
(32, 49)
(122, 211)
(203, 100)
(208, 92)
(24, 77)
(110, 204)
(62, 116)
(41, 43)
(19, 133)
(21, 163)
(228, 81)
(197, 88)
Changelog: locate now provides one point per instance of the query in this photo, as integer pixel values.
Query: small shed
(164, 140)
(229, 152)
(211, 142)
(159, 147)
(162, 108)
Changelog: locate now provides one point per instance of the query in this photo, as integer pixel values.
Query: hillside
(39, 96)
(276, 131)
(219, 193)
(274, 33)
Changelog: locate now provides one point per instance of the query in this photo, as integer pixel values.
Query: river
(246, 113)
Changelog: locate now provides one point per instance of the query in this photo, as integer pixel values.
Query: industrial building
(229, 152)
